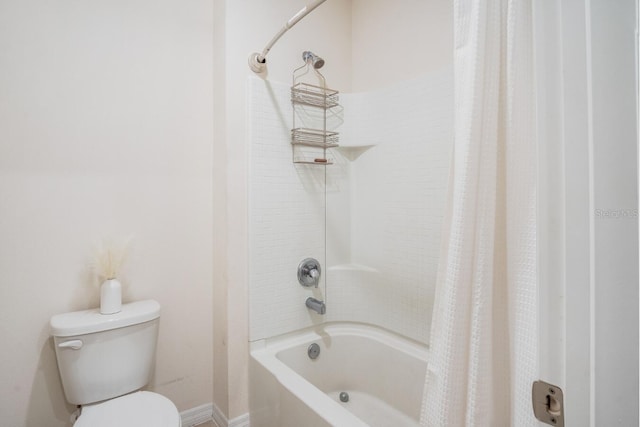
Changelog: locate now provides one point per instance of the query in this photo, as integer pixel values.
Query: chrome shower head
(316, 61)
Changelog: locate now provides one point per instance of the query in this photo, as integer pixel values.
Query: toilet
(104, 360)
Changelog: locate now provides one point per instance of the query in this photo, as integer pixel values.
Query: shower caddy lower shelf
(317, 97)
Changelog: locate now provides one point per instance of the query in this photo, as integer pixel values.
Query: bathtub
(382, 373)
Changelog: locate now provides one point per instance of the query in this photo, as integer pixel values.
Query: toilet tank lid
(90, 321)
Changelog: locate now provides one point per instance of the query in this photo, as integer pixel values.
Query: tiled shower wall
(286, 216)
(385, 199)
(397, 193)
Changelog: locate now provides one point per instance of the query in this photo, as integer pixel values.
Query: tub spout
(316, 305)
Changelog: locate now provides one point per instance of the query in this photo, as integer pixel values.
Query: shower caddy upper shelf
(305, 94)
(315, 96)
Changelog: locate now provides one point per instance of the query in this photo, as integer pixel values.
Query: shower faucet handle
(309, 272)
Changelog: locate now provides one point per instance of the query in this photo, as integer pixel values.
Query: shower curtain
(484, 333)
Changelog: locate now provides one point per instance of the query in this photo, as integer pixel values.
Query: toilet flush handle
(73, 344)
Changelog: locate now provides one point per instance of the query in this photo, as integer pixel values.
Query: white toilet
(104, 359)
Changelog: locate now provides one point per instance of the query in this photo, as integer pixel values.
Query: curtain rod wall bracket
(258, 61)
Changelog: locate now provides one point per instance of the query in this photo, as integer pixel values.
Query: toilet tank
(105, 356)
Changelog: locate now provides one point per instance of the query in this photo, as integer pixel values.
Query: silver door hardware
(548, 403)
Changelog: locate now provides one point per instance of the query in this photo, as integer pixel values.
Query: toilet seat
(139, 409)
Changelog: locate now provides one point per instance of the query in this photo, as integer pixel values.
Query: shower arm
(257, 61)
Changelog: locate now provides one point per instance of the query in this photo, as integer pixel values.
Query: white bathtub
(382, 373)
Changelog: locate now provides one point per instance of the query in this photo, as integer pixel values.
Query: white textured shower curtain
(484, 334)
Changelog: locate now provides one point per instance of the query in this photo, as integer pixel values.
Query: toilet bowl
(104, 360)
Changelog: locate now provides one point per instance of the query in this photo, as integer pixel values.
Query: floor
(208, 424)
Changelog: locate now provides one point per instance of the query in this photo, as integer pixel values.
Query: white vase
(110, 297)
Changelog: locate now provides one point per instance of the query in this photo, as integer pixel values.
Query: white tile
(385, 209)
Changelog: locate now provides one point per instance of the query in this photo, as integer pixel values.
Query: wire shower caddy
(315, 97)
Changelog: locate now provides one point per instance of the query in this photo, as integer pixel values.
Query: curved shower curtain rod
(258, 61)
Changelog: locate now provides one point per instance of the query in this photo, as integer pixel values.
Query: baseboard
(222, 421)
(241, 421)
(198, 415)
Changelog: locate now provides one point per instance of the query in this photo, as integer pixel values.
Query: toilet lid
(139, 409)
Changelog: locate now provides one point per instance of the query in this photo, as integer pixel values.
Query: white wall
(105, 129)
(220, 261)
(393, 199)
(394, 167)
(394, 41)
(385, 203)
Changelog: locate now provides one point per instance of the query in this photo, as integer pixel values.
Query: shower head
(316, 61)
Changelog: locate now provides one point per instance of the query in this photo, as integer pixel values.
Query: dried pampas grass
(109, 257)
